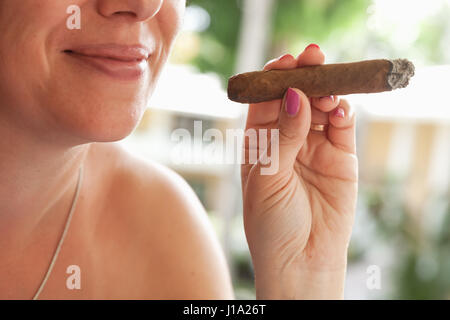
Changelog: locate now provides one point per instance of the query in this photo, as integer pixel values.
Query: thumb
(294, 125)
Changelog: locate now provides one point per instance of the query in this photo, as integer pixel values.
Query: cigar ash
(402, 71)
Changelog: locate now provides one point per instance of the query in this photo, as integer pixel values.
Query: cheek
(170, 20)
(25, 28)
(25, 39)
(167, 26)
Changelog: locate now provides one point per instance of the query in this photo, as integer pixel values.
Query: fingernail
(292, 102)
(339, 112)
(285, 56)
(312, 45)
(328, 97)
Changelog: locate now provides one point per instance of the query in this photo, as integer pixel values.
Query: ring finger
(320, 109)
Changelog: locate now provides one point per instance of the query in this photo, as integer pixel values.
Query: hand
(298, 221)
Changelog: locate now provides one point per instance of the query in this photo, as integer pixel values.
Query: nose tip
(139, 10)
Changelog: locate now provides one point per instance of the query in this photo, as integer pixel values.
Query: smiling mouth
(118, 62)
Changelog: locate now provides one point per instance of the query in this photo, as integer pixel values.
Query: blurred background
(402, 227)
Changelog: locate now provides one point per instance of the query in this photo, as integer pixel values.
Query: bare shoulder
(156, 211)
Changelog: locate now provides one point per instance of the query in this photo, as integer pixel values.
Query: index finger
(263, 114)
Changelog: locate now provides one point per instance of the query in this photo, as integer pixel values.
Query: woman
(137, 231)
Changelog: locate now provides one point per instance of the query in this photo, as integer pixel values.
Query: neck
(38, 181)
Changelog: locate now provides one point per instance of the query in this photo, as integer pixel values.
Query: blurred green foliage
(219, 41)
(341, 26)
(314, 20)
(434, 38)
(421, 245)
(294, 22)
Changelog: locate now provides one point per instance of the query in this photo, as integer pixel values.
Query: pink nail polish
(339, 112)
(312, 45)
(292, 102)
(284, 57)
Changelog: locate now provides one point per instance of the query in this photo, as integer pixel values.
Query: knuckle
(287, 134)
(344, 103)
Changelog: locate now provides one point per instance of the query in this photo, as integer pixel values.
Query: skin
(138, 230)
(298, 221)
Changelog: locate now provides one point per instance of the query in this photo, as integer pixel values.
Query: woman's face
(92, 82)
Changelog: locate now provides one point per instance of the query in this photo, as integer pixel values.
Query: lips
(121, 62)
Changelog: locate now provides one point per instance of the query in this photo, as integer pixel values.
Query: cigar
(367, 76)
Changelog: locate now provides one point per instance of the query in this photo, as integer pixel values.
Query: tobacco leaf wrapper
(369, 76)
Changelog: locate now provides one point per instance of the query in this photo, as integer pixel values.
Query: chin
(112, 129)
(99, 123)
(108, 134)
